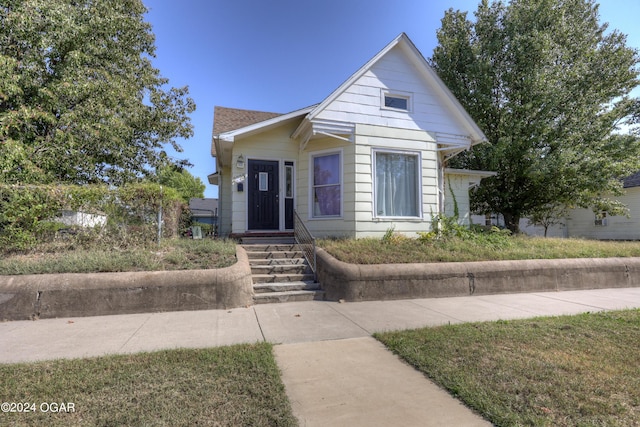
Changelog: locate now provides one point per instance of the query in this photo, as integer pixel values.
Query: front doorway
(263, 195)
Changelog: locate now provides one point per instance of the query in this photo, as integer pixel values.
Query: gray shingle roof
(203, 207)
(632, 181)
(228, 119)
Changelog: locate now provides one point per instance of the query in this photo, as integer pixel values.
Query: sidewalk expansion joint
(572, 302)
(135, 332)
(255, 313)
(370, 333)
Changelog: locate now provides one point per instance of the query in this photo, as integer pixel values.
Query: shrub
(28, 213)
(447, 229)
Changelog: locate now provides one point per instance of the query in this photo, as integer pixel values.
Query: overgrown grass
(405, 250)
(562, 371)
(226, 386)
(173, 254)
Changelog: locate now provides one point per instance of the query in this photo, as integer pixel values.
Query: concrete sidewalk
(338, 374)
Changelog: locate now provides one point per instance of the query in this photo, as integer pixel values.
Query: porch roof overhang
(475, 176)
(214, 178)
(316, 128)
(451, 144)
(223, 142)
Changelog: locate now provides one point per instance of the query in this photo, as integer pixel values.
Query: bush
(207, 229)
(29, 214)
(447, 229)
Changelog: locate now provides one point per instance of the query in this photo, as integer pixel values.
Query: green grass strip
(479, 248)
(226, 386)
(579, 370)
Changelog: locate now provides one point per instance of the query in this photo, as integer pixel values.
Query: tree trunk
(512, 222)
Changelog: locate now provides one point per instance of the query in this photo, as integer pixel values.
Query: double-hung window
(397, 184)
(326, 185)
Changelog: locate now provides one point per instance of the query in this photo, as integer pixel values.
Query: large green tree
(80, 101)
(180, 179)
(549, 85)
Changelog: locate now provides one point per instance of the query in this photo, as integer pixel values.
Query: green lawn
(484, 248)
(555, 371)
(579, 370)
(227, 386)
(183, 254)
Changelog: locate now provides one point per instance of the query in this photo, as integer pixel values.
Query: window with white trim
(399, 101)
(397, 184)
(288, 181)
(326, 185)
(601, 219)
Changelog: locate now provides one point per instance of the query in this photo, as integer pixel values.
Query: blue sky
(282, 55)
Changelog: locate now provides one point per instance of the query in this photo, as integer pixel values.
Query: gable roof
(230, 124)
(228, 119)
(250, 129)
(413, 54)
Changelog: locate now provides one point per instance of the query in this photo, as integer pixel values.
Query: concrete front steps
(280, 273)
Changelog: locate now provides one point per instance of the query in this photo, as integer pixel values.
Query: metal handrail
(306, 242)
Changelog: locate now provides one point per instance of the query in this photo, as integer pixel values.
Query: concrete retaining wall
(75, 295)
(352, 282)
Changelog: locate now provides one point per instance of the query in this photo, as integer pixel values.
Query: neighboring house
(587, 224)
(204, 210)
(556, 230)
(371, 156)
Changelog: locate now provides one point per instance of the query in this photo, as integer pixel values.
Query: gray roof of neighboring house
(203, 207)
(632, 181)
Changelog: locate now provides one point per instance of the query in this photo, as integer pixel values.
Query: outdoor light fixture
(240, 162)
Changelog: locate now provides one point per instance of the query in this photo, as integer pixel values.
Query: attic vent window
(396, 101)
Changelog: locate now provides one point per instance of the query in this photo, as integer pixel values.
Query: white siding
(558, 230)
(358, 219)
(581, 222)
(274, 144)
(361, 103)
(370, 138)
(459, 185)
(329, 227)
(82, 219)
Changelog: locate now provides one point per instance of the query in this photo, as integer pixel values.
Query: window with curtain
(326, 185)
(397, 184)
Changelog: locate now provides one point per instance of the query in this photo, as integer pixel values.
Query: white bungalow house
(370, 156)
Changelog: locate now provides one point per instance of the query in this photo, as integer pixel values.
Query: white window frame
(323, 153)
(601, 219)
(291, 168)
(386, 93)
(418, 155)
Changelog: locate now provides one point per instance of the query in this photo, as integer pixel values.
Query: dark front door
(263, 193)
